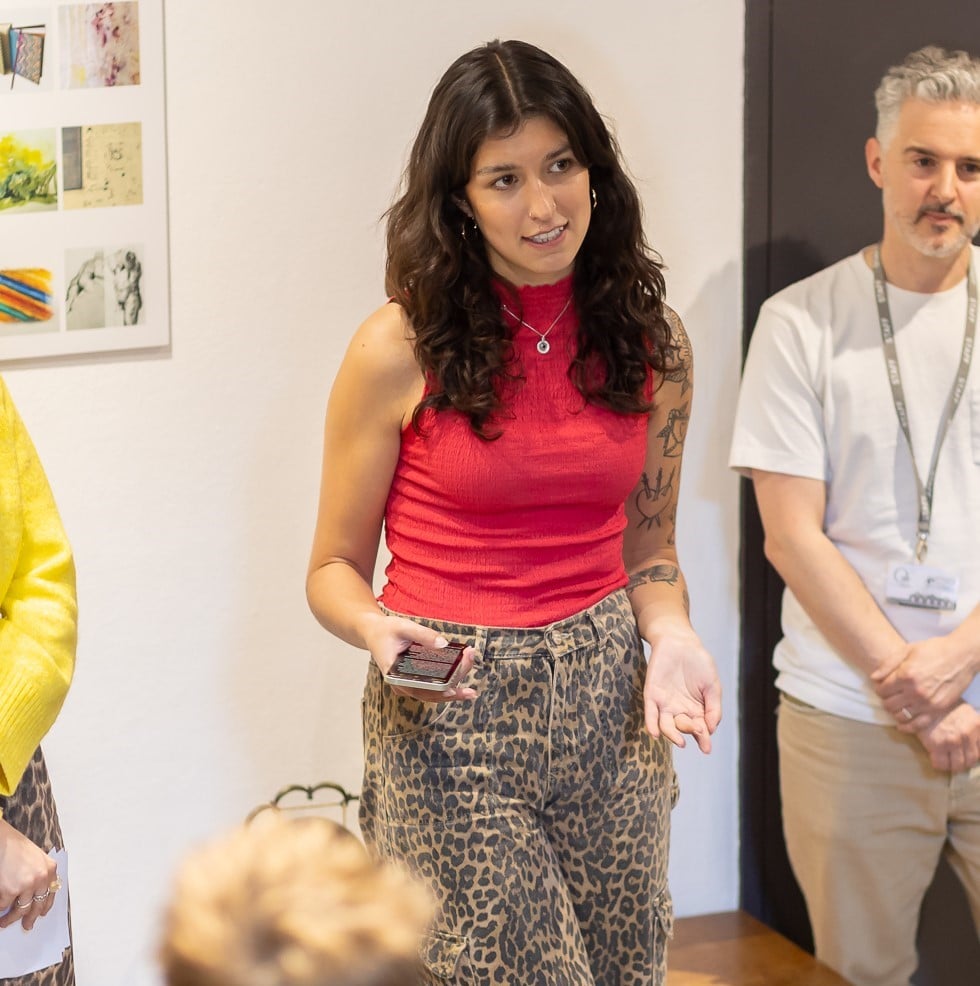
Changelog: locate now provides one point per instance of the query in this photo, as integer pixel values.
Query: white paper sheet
(22, 951)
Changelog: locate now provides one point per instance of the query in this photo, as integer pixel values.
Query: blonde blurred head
(291, 903)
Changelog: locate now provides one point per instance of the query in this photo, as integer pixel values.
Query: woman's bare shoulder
(380, 375)
(382, 349)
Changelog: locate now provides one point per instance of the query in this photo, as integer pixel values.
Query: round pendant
(544, 347)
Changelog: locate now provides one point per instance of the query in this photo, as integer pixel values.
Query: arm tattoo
(659, 573)
(653, 500)
(675, 431)
(679, 373)
(672, 530)
(656, 573)
(679, 369)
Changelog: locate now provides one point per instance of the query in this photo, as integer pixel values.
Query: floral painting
(101, 45)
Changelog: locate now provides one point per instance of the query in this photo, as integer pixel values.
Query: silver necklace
(543, 346)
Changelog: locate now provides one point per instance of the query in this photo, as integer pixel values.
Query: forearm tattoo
(656, 573)
(659, 573)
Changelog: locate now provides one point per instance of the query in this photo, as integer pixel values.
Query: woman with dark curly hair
(514, 420)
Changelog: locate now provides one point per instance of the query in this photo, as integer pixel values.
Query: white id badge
(922, 586)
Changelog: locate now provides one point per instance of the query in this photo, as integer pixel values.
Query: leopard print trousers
(31, 810)
(538, 813)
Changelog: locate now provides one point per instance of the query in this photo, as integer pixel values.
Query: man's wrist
(966, 640)
(888, 657)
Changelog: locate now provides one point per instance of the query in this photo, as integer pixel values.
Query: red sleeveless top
(526, 529)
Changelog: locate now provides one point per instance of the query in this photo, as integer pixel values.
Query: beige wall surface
(188, 479)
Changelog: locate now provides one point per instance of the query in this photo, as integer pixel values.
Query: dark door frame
(768, 889)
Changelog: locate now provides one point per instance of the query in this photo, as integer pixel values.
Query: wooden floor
(733, 949)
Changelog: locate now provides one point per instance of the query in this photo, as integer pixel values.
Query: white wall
(188, 479)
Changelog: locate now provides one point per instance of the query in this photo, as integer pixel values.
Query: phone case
(432, 668)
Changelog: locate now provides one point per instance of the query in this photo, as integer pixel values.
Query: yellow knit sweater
(37, 600)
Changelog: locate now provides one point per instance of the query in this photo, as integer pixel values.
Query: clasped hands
(923, 693)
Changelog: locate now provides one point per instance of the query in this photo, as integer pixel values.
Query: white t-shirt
(815, 402)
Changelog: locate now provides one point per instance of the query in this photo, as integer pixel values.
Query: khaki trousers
(866, 818)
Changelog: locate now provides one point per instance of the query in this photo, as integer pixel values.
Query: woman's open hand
(682, 692)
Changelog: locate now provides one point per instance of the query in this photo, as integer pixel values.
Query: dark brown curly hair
(443, 279)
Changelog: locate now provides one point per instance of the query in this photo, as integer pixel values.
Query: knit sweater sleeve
(37, 600)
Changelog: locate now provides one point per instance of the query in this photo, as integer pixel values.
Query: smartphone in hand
(432, 668)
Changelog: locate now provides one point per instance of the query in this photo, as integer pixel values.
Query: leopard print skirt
(31, 810)
(538, 814)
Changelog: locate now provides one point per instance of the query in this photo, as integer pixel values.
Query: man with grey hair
(859, 423)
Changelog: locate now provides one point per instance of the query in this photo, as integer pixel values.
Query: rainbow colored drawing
(25, 295)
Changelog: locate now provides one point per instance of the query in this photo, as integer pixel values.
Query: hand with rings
(28, 879)
(54, 885)
(34, 899)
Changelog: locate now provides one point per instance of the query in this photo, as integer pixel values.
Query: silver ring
(44, 896)
(908, 715)
(20, 906)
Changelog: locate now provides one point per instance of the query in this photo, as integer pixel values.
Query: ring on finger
(20, 906)
(55, 885)
(908, 715)
(44, 896)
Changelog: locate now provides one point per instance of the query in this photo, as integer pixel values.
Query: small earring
(595, 198)
(473, 225)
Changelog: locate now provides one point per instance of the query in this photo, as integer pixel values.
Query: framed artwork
(84, 256)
